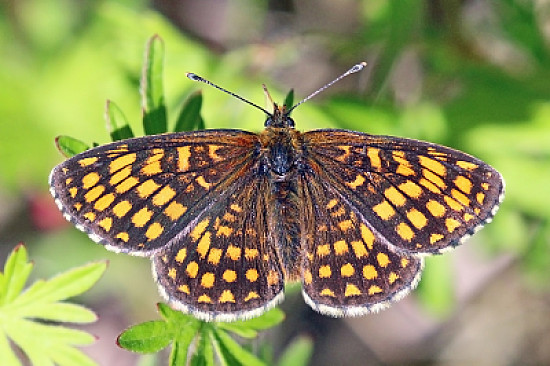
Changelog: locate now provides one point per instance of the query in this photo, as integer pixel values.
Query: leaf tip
(19, 246)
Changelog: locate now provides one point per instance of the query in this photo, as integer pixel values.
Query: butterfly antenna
(196, 77)
(353, 70)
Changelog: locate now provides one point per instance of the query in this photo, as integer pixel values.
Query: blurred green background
(473, 75)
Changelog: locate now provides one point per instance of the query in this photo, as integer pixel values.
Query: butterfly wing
(136, 196)
(348, 268)
(226, 267)
(420, 197)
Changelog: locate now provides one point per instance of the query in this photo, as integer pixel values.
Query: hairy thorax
(281, 162)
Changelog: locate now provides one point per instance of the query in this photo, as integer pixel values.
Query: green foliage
(212, 339)
(26, 317)
(155, 116)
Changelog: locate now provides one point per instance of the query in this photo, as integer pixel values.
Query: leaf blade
(69, 146)
(16, 273)
(65, 285)
(60, 312)
(189, 118)
(148, 337)
(152, 94)
(236, 350)
(117, 124)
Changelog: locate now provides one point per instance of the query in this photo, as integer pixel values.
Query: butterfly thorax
(280, 161)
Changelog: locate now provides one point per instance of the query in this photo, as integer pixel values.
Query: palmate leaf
(22, 313)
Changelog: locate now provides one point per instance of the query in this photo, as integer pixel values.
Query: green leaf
(298, 353)
(289, 99)
(235, 350)
(65, 285)
(44, 343)
(173, 316)
(16, 273)
(69, 146)
(248, 328)
(117, 124)
(182, 342)
(31, 336)
(152, 94)
(146, 337)
(267, 320)
(7, 357)
(190, 118)
(61, 312)
(68, 356)
(205, 352)
(239, 329)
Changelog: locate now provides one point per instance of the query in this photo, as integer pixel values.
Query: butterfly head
(280, 118)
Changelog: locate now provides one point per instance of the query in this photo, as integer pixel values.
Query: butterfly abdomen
(281, 152)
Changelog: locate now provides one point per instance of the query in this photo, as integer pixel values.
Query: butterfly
(229, 216)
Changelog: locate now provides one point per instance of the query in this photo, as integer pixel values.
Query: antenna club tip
(358, 67)
(192, 76)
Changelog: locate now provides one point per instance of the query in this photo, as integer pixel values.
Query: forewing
(348, 268)
(136, 195)
(225, 268)
(421, 197)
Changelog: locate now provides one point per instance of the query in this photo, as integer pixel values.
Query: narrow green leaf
(31, 336)
(266, 320)
(7, 357)
(205, 353)
(148, 337)
(179, 321)
(152, 94)
(69, 146)
(66, 285)
(223, 357)
(173, 316)
(69, 356)
(61, 312)
(36, 288)
(289, 100)
(298, 353)
(178, 355)
(190, 118)
(200, 124)
(239, 329)
(236, 350)
(186, 333)
(37, 356)
(16, 273)
(117, 124)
